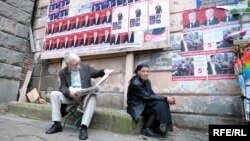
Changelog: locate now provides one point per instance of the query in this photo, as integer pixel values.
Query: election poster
(221, 66)
(208, 3)
(58, 10)
(158, 14)
(155, 35)
(189, 68)
(120, 20)
(77, 7)
(93, 26)
(137, 16)
(205, 36)
(205, 31)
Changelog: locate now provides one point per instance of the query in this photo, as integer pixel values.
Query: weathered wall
(15, 17)
(199, 103)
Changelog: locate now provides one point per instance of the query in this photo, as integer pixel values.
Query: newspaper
(93, 89)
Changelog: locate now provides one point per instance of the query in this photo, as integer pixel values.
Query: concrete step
(104, 118)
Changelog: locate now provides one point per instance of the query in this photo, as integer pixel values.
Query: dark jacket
(86, 73)
(138, 94)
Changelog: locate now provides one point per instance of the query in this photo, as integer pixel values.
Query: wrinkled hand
(171, 100)
(74, 95)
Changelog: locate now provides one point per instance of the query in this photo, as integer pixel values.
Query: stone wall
(199, 103)
(15, 20)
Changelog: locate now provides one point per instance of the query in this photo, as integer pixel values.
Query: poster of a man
(211, 19)
(65, 44)
(229, 17)
(107, 18)
(120, 16)
(86, 22)
(220, 64)
(192, 41)
(84, 41)
(193, 21)
(184, 67)
(158, 9)
(68, 26)
(75, 41)
(106, 37)
(138, 12)
(95, 38)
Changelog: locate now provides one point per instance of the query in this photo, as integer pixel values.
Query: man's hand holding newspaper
(93, 89)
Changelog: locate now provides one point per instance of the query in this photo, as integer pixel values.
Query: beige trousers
(57, 98)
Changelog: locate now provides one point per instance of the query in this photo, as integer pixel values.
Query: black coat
(138, 94)
(86, 73)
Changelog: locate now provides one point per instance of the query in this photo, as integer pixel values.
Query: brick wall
(15, 17)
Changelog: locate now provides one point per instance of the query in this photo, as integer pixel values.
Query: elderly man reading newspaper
(75, 87)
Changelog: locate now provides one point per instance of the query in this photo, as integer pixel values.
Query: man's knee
(55, 94)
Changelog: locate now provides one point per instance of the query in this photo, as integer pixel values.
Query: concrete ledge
(104, 118)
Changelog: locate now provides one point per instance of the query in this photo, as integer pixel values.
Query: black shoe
(83, 135)
(57, 127)
(150, 133)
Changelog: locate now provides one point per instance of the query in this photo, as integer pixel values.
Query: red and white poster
(137, 16)
(189, 68)
(96, 25)
(155, 35)
(205, 31)
(120, 20)
(158, 14)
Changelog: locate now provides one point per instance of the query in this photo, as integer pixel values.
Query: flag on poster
(158, 14)
(120, 20)
(137, 14)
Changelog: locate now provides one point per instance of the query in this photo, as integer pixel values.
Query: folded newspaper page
(94, 89)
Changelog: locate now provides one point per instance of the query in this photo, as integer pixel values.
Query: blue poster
(206, 3)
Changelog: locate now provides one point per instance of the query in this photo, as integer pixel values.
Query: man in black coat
(193, 22)
(65, 44)
(158, 9)
(85, 22)
(60, 27)
(68, 26)
(212, 66)
(75, 42)
(50, 45)
(142, 101)
(107, 18)
(138, 13)
(84, 41)
(229, 17)
(119, 16)
(76, 25)
(106, 37)
(94, 39)
(96, 20)
(211, 18)
(75, 75)
(115, 39)
(129, 38)
(58, 44)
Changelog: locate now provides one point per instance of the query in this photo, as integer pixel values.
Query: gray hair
(71, 57)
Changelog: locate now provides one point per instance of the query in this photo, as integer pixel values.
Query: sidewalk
(15, 128)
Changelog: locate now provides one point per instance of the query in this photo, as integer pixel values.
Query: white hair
(71, 57)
